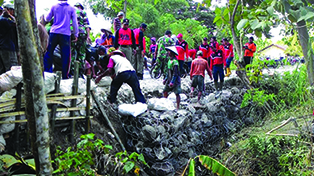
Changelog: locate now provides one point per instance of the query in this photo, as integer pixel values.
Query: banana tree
(210, 164)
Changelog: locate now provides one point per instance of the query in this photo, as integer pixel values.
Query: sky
(43, 5)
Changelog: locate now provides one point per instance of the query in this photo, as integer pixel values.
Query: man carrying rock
(125, 73)
(197, 74)
(172, 80)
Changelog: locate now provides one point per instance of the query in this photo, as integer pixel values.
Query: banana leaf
(215, 166)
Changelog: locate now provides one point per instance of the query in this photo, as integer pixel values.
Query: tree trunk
(236, 42)
(124, 8)
(307, 50)
(36, 110)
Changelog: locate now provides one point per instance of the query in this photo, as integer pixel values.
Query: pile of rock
(169, 137)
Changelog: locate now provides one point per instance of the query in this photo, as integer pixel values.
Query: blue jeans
(181, 63)
(131, 79)
(229, 60)
(218, 70)
(64, 42)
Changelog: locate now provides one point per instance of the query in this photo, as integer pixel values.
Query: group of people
(69, 32)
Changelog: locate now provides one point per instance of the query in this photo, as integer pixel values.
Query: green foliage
(130, 161)
(93, 38)
(259, 154)
(259, 97)
(209, 163)
(81, 157)
(272, 154)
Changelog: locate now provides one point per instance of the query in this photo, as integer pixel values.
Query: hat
(120, 14)
(144, 26)
(117, 52)
(125, 21)
(80, 5)
(8, 6)
(199, 53)
(172, 49)
(104, 29)
(168, 32)
(179, 35)
(205, 39)
(153, 39)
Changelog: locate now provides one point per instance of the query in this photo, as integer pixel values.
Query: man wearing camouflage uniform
(78, 49)
(161, 52)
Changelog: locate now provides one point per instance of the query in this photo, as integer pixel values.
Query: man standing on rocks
(117, 22)
(204, 47)
(249, 50)
(125, 40)
(161, 53)
(228, 51)
(125, 73)
(217, 64)
(197, 74)
(8, 46)
(183, 51)
(60, 34)
(138, 60)
(172, 80)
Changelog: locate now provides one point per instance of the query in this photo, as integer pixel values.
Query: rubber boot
(216, 88)
(220, 86)
(228, 72)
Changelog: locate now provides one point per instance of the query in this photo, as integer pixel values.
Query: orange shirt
(251, 46)
(198, 67)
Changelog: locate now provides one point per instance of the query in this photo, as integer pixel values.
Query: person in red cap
(183, 52)
(204, 47)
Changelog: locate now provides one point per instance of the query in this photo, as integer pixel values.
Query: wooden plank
(60, 118)
(9, 114)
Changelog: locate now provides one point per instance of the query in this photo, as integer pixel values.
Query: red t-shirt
(182, 48)
(198, 67)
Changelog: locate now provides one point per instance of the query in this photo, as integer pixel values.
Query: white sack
(105, 81)
(161, 104)
(11, 78)
(132, 109)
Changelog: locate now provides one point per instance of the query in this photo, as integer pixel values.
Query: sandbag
(66, 86)
(161, 104)
(11, 78)
(105, 81)
(132, 109)
(50, 79)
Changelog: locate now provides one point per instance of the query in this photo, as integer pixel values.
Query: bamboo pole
(280, 126)
(108, 121)
(73, 103)
(60, 118)
(54, 107)
(18, 108)
(9, 114)
(88, 104)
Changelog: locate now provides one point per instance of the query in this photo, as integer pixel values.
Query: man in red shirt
(249, 50)
(125, 40)
(228, 51)
(138, 59)
(197, 74)
(217, 64)
(204, 47)
(183, 51)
